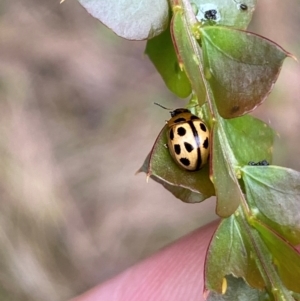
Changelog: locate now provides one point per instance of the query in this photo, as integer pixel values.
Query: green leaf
(186, 48)
(249, 138)
(229, 13)
(230, 253)
(223, 177)
(273, 195)
(186, 185)
(239, 290)
(241, 68)
(181, 193)
(162, 54)
(132, 20)
(285, 257)
(236, 142)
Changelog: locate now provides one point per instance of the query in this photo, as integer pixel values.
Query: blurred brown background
(76, 121)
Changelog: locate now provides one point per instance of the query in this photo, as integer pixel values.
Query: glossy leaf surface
(236, 141)
(241, 68)
(162, 54)
(186, 185)
(132, 20)
(230, 253)
(285, 257)
(273, 194)
(226, 185)
(249, 138)
(186, 46)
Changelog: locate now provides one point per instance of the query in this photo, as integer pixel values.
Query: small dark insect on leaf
(211, 14)
(259, 163)
(263, 163)
(243, 7)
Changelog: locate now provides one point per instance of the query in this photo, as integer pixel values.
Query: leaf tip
(147, 178)
(141, 170)
(138, 171)
(293, 57)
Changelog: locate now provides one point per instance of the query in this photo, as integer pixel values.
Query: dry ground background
(76, 121)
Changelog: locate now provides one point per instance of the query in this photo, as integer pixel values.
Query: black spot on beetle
(211, 14)
(181, 131)
(205, 143)
(189, 147)
(177, 149)
(193, 117)
(171, 134)
(243, 7)
(180, 119)
(197, 139)
(203, 127)
(185, 161)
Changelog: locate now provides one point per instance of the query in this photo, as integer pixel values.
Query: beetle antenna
(161, 106)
